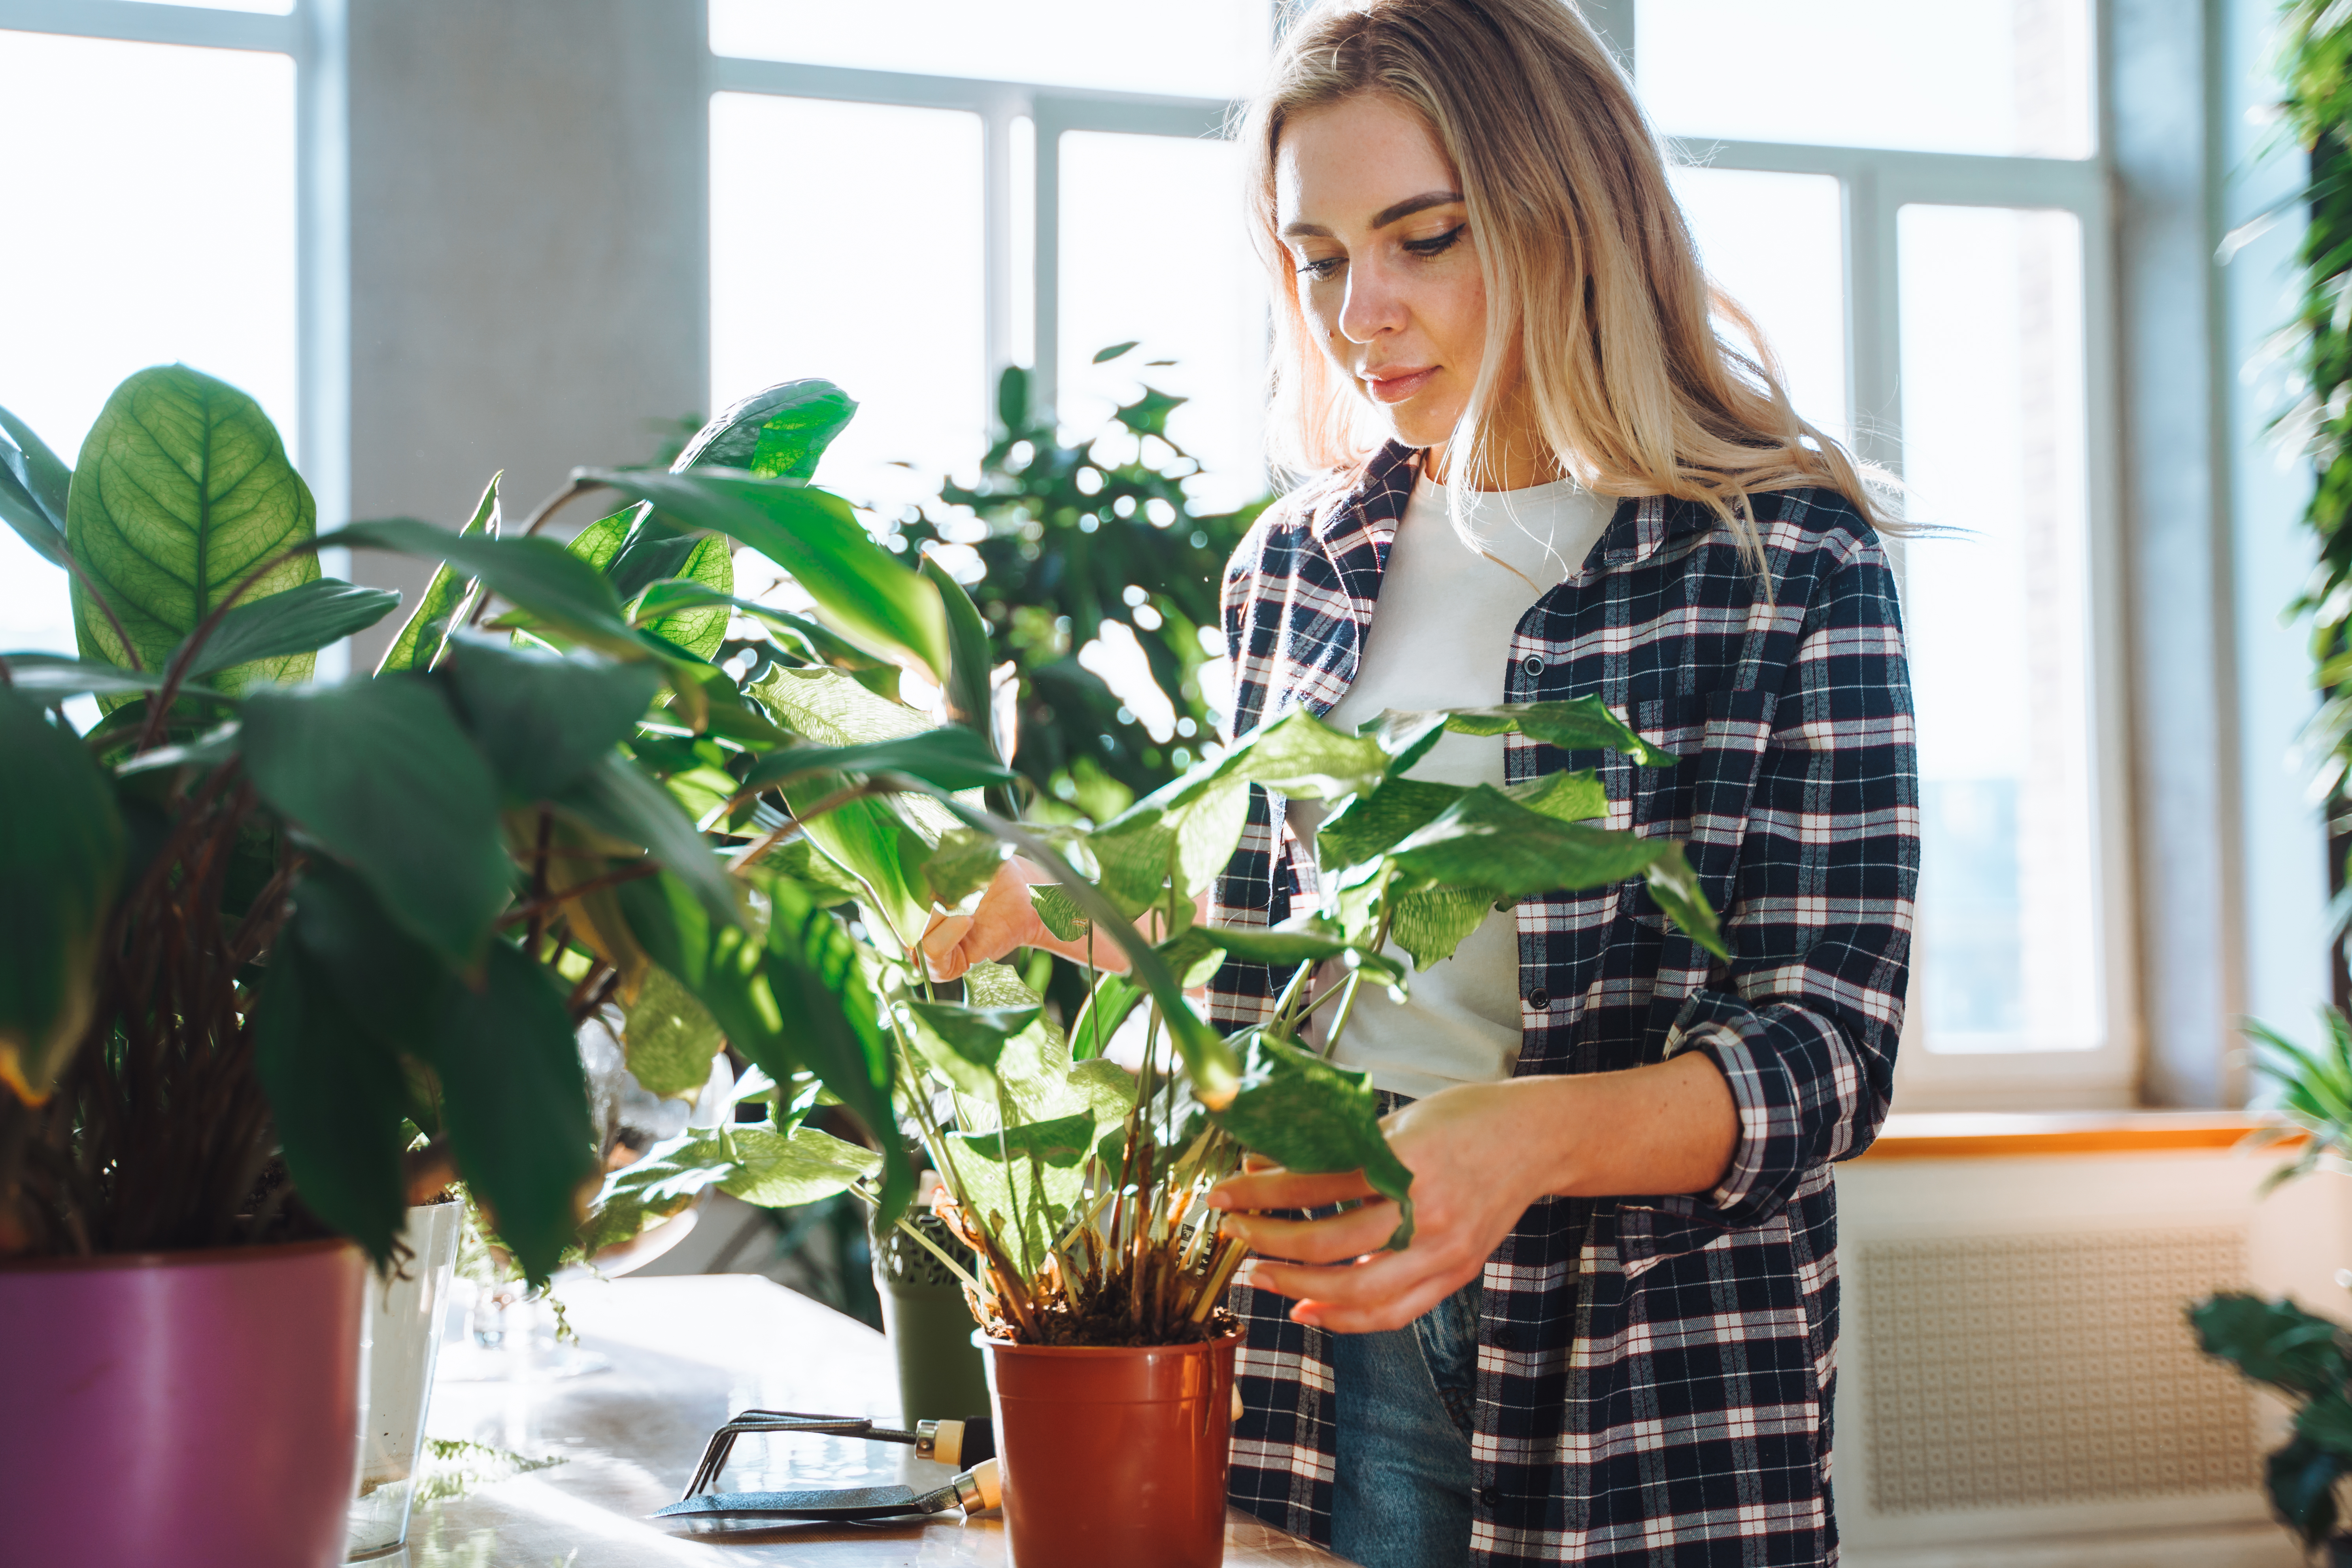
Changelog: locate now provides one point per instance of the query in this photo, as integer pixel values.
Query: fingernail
(1218, 1199)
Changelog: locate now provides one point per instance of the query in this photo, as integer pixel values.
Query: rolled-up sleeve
(1804, 1025)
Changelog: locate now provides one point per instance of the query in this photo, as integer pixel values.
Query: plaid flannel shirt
(1655, 1373)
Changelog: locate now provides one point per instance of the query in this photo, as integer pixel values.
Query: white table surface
(686, 1354)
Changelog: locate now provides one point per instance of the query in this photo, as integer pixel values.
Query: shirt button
(1531, 666)
(1540, 998)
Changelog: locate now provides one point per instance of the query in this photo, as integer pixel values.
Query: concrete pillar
(2159, 128)
(528, 249)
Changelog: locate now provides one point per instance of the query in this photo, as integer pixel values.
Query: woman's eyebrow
(1382, 218)
(1412, 205)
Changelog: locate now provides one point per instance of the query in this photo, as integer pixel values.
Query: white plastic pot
(400, 1340)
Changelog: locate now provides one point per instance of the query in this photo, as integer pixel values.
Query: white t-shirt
(1440, 638)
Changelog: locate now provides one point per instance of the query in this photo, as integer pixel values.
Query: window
(155, 244)
(1200, 49)
(1919, 232)
(862, 263)
(1060, 135)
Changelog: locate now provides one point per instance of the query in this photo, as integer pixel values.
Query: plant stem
(536, 910)
(555, 502)
(1340, 1019)
(1283, 1017)
(1230, 1253)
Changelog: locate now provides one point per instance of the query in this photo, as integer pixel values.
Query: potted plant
(370, 916)
(1100, 1279)
(281, 956)
(2303, 1358)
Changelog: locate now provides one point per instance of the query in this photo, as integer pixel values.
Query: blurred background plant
(2299, 1355)
(1085, 559)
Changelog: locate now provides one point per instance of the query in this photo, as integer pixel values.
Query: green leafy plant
(2302, 1357)
(269, 935)
(590, 778)
(2314, 65)
(1076, 1182)
(2277, 1343)
(2295, 1352)
(1074, 538)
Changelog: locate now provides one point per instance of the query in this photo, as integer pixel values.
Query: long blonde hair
(1598, 313)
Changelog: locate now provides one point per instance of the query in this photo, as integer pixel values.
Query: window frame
(311, 33)
(1050, 111)
(1875, 184)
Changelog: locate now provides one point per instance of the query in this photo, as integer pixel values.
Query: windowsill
(1978, 1135)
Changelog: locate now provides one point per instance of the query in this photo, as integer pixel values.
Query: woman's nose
(1373, 305)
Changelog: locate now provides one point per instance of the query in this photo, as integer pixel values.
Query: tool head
(843, 1503)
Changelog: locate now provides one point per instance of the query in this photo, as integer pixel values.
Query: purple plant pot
(181, 1407)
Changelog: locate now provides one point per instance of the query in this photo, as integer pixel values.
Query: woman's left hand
(1472, 1179)
(1480, 1154)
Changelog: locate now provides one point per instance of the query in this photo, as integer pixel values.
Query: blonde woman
(1540, 473)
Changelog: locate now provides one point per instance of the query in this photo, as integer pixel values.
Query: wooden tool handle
(979, 1489)
(960, 1443)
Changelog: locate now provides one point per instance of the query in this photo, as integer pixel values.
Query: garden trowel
(970, 1443)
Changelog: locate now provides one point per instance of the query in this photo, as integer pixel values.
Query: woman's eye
(1437, 243)
(1319, 267)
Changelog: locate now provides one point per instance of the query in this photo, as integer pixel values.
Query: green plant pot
(940, 1373)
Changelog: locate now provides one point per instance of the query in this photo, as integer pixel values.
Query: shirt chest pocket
(1716, 736)
(1660, 798)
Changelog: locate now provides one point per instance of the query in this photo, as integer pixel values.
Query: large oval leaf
(542, 720)
(32, 488)
(446, 597)
(516, 1105)
(335, 1095)
(1488, 841)
(378, 773)
(538, 576)
(701, 629)
(53, 676)
(299, 620)
(777, 433)
(867, 593)
(60, 854)
(182, 490)
(952, 758)
(784, 1170)
(1306, 1115)
(614, 797)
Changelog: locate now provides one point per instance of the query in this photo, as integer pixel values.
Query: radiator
(2019, 1385)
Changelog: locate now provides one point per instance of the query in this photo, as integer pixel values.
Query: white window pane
(845, 243)
(1205, 48)
(156, 184)
(1986, 76)
(1020, 334)
(268, 7)
(1993, 444)
(1189, 294)
(1772, 242)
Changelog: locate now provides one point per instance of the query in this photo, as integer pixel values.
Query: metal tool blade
(841, 1503)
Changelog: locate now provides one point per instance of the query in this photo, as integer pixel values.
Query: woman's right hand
(1003, 920)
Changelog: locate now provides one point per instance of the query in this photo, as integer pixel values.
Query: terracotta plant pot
(1113, 1455)
(181, 1406)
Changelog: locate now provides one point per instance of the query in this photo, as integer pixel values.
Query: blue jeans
(1405, 1399)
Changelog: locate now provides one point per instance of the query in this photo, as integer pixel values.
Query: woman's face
(1388, 270)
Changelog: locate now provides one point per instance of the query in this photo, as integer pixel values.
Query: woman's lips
(1398, 386)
